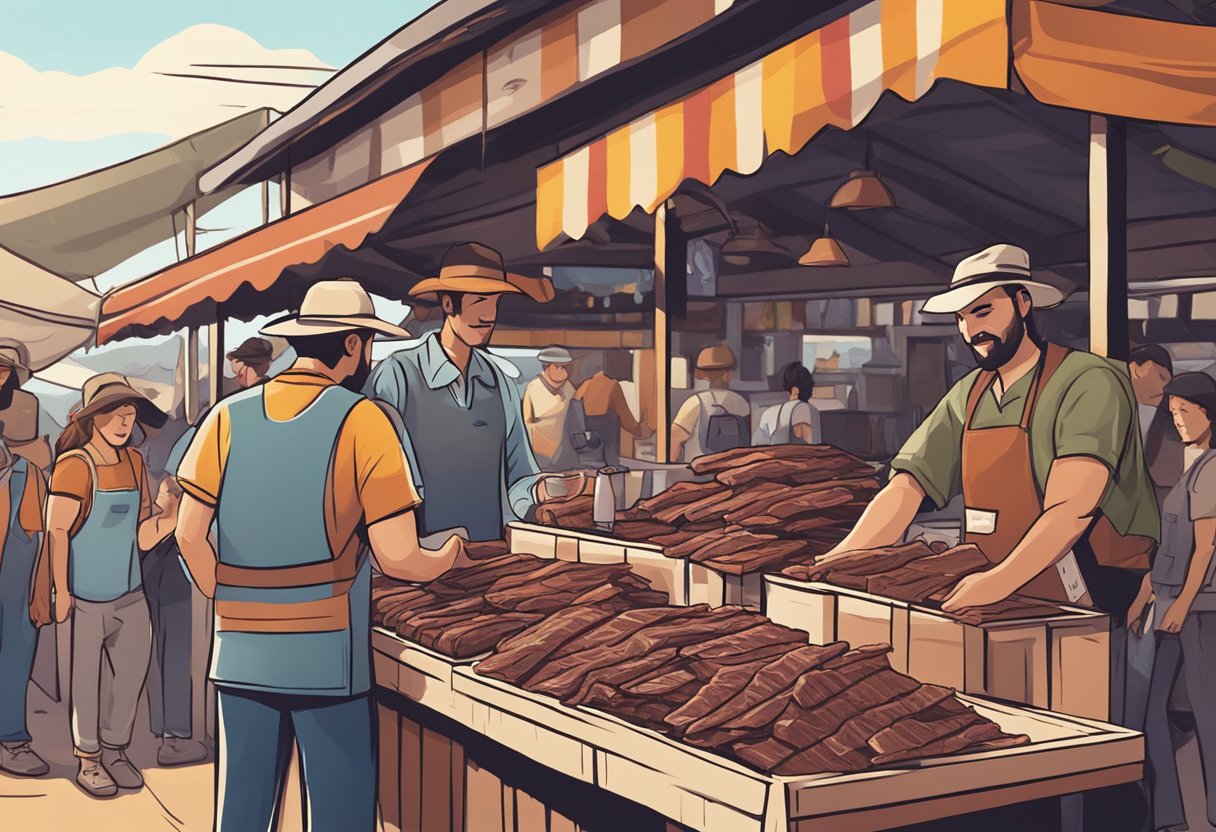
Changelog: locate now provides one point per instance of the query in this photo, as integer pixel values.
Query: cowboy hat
(14, 354)
(999, 265)
(469, 268)
(253, 349)
(717, 357)
(108, 390)
(333, 306)
(554, 355)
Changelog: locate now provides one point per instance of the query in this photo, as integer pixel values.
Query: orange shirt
(369, 479)
(71, 478)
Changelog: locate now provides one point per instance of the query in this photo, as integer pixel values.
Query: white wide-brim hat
(333, 306)
(1000, 265)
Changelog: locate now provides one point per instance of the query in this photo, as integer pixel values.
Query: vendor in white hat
(546, 408)
(1041, 442)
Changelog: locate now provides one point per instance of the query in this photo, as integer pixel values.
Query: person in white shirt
(789, 421)
(546, 408)
(712, 420)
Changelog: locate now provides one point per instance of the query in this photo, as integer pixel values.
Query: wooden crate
(707, 585)
(648, 561)
(1059, 662)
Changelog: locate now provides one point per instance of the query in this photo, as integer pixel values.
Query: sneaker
(18, 758)
(121, 769)
(175, 751)
(94, 779)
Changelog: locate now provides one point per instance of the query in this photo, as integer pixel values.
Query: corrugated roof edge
(446, 20)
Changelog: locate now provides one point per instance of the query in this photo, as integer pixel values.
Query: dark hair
(457, 301)
(7, 389)
(328, 348)
(261, 366)
(80, 430)
(797, 375)
(1032, 331)
(1154, 353)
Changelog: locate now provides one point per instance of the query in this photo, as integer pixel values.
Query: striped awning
(832, 76)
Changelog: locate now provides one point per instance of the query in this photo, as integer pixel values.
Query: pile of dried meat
(468, 611)
(919, 573)
(732, 681)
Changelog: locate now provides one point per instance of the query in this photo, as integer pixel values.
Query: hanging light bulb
(864, 190)
(825, 251)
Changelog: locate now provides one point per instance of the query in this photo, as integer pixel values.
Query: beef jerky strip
(521, 654)
(660, 682)
(481, 633)
(442, 617)
(621, 673)
(967, 738)
(855, 734)
(820, 685)
(718, 506)
(804, 728)
(822, 759)
(915, 548)
(758, 559)
(808, 454)
(770, 687)
(682, 493)
(793, 472)
(725, 685)
(914, 732)
(764, 754)
(705, 670)
(760, 633)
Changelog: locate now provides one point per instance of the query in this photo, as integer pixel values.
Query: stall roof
(50, 315)
(84, 226)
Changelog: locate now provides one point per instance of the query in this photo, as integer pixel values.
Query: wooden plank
(1080, 668)
(532, 541)
(665, 574)
(705, 586)
(389, 756)
(937, 651)
(794, 604)
(411, 776)
(436, 782)
(598, 551)
(861, 622)
(559, 823)
(483, 808)
(529, 813)
(459, 795)
(508, 808)
(1017, 664)
(566, 548)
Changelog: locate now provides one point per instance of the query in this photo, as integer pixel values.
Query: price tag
(980, 521)
(1070, 574)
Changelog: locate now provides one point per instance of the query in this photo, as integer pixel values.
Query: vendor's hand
(63, 606)
(977, 590)
(1175, 616)
(1135, 613)
(454, 548)
(168, 503)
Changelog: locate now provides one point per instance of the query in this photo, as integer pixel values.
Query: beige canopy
(84, 226)
(52, 316)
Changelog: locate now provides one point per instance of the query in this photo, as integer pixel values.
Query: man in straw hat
(712, 420)
(299, 474)
(1042, 443)
(463, 426)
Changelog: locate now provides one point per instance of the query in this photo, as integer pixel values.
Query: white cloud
(197, 78)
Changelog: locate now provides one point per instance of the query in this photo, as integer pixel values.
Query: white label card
(980, 522)
(1070, 574)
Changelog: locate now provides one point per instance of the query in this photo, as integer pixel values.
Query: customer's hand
(1175, 616)
(63, 606)
(1135, 613)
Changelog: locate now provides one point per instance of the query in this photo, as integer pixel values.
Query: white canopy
(51, 315)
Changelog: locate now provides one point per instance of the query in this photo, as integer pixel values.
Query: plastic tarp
(82, 227)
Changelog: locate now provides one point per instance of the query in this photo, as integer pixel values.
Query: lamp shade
(752, 246)
(863, 191)
(825, 251)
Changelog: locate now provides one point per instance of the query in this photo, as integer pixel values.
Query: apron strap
(1053, 356)
(336, 571)
(982, 382)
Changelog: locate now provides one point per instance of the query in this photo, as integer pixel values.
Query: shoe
(175, 751)
(94, 779)
(122, 770)
(18, 758)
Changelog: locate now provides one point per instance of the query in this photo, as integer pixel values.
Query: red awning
(1116, 64)
(258, 259)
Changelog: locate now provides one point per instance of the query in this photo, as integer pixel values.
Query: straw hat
(333, 306)
(107, 390)
(470, 268)
(554, 355)
(717, 357)
(14, 354)
(1000, 265)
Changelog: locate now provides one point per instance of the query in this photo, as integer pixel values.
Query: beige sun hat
(470, 268)
(999, 265)
(14, 354)
(554, 355)
(717, 357)
(333, 306)
(106, 390)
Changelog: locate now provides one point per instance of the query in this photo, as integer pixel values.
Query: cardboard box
(1060, 662)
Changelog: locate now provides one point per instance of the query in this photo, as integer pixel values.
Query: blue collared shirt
(520, 472)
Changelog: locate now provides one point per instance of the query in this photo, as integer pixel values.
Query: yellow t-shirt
(369, 479)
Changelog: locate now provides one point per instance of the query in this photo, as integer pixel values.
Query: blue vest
(104, 561)
(20, 549)
(291, 616)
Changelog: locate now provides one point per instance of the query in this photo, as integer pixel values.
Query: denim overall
(279, 676)
(18, 636)
(104, 563)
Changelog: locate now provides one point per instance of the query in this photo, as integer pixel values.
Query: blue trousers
(336, 738)
(18, 639)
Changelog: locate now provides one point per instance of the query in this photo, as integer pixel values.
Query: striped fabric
(832, 76)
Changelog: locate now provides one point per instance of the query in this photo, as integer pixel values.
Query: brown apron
(1003, 501)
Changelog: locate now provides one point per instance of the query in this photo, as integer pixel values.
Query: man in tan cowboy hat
(300, 474)
(251, 361)
(1042, 444)
(715, 419)
(463, 425)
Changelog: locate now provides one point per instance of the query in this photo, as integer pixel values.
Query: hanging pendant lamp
(825, 251)
(864, 190)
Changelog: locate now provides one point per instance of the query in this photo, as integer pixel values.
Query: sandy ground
(180, 799)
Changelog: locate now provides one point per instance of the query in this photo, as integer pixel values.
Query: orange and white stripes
(832, 76)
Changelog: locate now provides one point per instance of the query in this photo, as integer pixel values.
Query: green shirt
(1086, 409)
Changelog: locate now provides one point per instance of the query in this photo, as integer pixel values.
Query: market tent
(52, 316)
(84, 226)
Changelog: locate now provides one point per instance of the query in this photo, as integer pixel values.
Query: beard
(1004, 346)
(356, 380)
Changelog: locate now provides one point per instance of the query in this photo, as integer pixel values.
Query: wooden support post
(265, 202)
(215, 358)
(285, 193)
(662, 340)
(1108, 333)
(191, 381)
